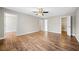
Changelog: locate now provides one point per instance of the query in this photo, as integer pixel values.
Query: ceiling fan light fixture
(40, 12)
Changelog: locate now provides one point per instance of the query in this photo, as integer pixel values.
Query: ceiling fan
(40, 12)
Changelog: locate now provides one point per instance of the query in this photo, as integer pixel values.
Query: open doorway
(66, 28)
(10, 25)
(44, 25)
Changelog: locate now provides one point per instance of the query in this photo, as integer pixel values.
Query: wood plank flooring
(39, 41)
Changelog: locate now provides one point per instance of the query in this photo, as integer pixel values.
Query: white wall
(77, 24)
(54, 24)
(27, 24)
(1, 22)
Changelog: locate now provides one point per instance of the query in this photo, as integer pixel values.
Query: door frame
(5, 21)
(68, 17)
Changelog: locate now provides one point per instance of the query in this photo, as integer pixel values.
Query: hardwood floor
(39, 41)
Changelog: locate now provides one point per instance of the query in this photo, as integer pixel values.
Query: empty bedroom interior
(39, 29)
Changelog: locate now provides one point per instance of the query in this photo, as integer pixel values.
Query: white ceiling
(53, 11)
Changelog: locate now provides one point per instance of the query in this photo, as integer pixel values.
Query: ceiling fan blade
(45, 11)
(35, 11)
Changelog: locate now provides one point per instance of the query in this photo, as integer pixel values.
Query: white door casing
(69, 25)
(10, 22)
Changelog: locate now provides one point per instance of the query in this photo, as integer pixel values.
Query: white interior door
(69, 25)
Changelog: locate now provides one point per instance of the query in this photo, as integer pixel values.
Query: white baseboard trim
(77, 37)
(20, 34)
(55, 32)
(25, 33)
(73, 34)
(1, 38)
